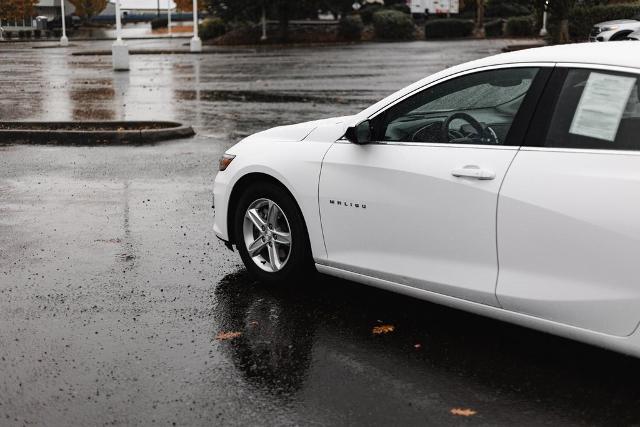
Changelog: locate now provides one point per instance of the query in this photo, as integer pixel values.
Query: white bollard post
(196, 43)
(263, 37)
(169, 16)
(64, 41)
(119, 50)
(543, 30)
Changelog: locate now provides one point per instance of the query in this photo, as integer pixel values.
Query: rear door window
(596, 109)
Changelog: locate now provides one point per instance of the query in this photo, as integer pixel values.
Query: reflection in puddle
(312, 345)
(274, 349)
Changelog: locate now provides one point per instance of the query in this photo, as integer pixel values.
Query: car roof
(621, 54)
(615, 54)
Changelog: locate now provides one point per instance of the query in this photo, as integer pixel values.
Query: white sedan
(507, 186)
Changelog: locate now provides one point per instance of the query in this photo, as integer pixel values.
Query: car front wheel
(271, 235)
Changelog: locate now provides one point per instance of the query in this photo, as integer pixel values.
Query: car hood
(330, 128)
(617, 22)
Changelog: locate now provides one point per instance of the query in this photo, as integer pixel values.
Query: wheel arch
(245, 182)
(620, 35)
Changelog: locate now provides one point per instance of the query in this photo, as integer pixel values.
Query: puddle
(271, 97)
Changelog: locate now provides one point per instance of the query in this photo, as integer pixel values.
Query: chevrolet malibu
(508, 187)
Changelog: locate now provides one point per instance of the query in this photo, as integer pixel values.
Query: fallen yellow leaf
(222, 336)
(463, 412)
(382, 329)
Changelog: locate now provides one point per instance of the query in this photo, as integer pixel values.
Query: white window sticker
(601, 106)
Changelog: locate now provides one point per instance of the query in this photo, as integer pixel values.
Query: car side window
(596, 110)
(476, 108)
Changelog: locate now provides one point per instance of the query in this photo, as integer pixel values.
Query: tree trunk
(479, 29)
(283, 17)
(564, 32)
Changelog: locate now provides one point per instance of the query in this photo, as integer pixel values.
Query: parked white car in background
(612, 31)
(507, 186)
(634, 36)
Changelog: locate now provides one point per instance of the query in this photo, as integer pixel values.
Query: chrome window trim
(583, 150)
(614, 68)
(434, 144)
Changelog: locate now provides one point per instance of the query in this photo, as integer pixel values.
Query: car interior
(473, 109)
(568, 100)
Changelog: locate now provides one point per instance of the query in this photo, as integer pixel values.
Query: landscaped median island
(92, 133)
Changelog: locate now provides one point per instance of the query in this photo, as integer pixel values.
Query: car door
(569, 209)
(418, 205)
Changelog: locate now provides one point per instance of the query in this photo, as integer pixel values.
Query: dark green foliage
(448, 28)
(57, 33)
(583, 18)
(350, 28)
(37, 34)
(507, 8)
(159, 23)
(366, 12)
(212, 28)
(520, 26)
(393, 25)
(400, 7)
(494, 28)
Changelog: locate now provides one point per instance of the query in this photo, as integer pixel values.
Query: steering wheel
(486, 134)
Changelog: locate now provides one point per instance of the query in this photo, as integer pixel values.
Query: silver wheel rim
(267, 235)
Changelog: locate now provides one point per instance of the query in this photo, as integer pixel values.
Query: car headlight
(225, 161)
(610, 28)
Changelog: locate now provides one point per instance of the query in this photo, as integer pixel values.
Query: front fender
(295, 164)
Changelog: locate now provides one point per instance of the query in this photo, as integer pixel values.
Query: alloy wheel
(267, 235)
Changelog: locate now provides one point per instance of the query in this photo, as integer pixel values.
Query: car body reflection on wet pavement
(311, 346)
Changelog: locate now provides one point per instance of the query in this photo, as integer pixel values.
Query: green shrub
(520, 26)
(494, 28)
(366, 12)
(393, 25)
(505, 9)
(582, 18)
(159, 23)
(57, 33)
(8, 35)
(212, 28)
(448, 28)
(350, 27)
(37, 34)
(400, 8)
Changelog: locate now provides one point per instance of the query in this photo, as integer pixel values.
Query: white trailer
(430, 7)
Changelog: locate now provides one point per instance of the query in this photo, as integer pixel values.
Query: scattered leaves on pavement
(463, 412)
(223, 336)
(382, 329)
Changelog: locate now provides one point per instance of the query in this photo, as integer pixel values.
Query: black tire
(300, 261)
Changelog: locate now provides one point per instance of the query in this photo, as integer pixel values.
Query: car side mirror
(360, 133)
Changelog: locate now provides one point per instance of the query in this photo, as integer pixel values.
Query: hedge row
(393, 25)
(350, 28)
(448, 28)
(582, 18)
(36, 34)
(520, 26)
(211, 28)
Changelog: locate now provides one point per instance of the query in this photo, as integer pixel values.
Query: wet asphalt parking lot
(113, 287)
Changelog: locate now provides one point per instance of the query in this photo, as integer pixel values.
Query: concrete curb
(109, 132)
(161, 52)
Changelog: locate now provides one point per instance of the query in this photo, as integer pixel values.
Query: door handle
(473, 171)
